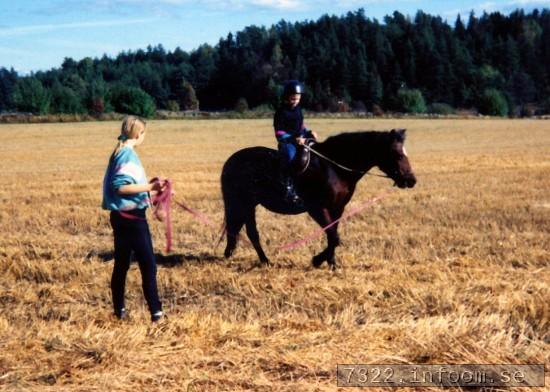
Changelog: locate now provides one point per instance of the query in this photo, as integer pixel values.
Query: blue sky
(39, 34)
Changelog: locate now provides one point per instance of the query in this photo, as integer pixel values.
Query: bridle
(309, 148)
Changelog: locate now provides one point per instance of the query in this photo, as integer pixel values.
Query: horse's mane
(359, 139)
(352, 148)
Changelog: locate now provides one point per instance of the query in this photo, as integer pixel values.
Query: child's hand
(158, 186)
(311, 134)
(301, 140)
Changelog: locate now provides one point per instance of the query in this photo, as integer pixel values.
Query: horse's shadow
(169, 261)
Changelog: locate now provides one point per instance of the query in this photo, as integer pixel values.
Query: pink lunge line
(201, 217)
(161, 210)
(320, 231)
(204, 220)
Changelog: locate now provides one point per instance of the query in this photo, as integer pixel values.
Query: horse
(250, 177)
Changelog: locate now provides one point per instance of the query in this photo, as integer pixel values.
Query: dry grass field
(456, 270)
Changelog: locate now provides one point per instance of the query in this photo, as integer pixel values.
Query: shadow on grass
(174, 260)
(104, 256)
(171, 260)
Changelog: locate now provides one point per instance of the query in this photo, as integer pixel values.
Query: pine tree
(8, 81)
(31, 96)
(65, 100)
(350, 57)
(188, 99)
(375, 87)
(460, 29)
(132, 100)
(360, 81)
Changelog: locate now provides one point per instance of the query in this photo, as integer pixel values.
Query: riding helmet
(293, 87)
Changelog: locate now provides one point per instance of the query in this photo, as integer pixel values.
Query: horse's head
(395, 162)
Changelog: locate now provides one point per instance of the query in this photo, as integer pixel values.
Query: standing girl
(126, 195)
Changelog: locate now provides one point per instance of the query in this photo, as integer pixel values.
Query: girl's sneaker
(121, 314)
(157, 316)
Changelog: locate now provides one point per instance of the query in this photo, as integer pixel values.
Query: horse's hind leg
(234, 223)
(231, 245)
(254, 236)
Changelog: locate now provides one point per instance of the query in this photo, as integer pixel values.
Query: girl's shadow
(171, 260)
(174, 260)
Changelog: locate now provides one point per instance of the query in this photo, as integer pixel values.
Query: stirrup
(292, 197)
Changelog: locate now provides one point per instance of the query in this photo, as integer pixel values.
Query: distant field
(456, 270)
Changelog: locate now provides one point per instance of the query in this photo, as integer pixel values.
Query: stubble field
(456, 270)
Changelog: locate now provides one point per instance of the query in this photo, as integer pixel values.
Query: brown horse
(250, 177)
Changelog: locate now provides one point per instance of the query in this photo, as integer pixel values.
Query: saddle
(303, 156)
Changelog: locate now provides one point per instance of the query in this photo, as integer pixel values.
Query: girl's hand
(158, 186)
(300, 140)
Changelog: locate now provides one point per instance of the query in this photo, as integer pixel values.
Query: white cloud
(44, 28)
(262, 4)
(293, 4)
(530, 2)
(488, 7)
(527, 5)
(95, 47)
(278, 4)
(361, 2)
(12, 51)
(493, 6)
(225, 4)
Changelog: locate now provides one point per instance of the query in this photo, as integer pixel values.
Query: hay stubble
(453, 271)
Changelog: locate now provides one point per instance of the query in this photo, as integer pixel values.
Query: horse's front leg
(333, 238)
(323, 217)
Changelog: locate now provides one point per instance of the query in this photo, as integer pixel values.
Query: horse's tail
(223, 232)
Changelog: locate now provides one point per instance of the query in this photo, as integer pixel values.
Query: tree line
(496, 64)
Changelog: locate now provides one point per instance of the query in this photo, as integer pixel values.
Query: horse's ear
(402, 133)
(398, 134)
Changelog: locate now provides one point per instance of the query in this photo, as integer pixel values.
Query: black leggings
(132, 234)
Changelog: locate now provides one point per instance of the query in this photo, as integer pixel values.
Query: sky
(38, 34)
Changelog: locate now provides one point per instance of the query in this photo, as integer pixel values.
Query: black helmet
(293, 87)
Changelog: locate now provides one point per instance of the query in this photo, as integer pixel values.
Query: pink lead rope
(161, 209)
(162, 212)
(317, 233)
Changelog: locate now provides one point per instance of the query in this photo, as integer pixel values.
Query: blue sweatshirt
(124, 168)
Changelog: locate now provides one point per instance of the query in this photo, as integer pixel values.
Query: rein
(342, 166)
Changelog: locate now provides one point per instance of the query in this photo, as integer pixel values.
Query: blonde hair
(132, 127)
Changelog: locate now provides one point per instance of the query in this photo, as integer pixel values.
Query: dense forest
(495, 64)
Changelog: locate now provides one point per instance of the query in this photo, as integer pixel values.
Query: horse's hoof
(331, 261)
(262, 264)
(317, 261)
(227, 253)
